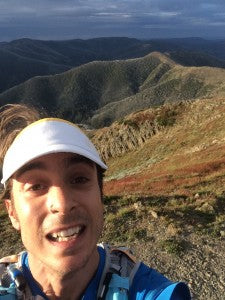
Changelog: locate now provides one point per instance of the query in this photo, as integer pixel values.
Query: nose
(60, 200)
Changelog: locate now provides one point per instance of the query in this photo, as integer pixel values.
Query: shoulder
(10, 259)
(148, 284)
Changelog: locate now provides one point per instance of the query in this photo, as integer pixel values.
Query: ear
(12, 214)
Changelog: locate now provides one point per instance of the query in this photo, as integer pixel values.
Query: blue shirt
(147, 284)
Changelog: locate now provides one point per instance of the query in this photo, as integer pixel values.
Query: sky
(143, 19)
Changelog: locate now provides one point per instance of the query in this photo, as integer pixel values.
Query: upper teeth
(68, 232)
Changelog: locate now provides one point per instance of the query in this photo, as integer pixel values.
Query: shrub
(173, 246)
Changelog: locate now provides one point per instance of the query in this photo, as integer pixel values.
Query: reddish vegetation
(183, 174)
(186, 156)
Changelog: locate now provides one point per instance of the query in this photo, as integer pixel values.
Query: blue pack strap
(120, 282)
(118, 273)
(118, 288)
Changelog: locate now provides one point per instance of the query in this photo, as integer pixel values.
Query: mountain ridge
(98, 93)
(68, 54)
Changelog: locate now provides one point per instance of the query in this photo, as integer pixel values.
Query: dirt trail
(202, 265)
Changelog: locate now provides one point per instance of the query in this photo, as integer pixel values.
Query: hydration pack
(117, 276)
(12, 282)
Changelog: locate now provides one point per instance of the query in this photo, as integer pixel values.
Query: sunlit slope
(25, 58)
(175, 149)
(100, 92)
(76, 94)
(166, 83)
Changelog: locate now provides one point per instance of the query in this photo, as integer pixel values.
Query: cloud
(86, 18)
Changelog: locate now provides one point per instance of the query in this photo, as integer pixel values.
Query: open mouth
(66, 235)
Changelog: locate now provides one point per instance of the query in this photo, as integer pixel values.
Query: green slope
(76, 94)
(25, 58)
(165, 84)
(101, 92)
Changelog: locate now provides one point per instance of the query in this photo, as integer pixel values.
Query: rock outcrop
(134, 130)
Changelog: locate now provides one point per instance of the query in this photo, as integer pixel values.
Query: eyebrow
(30, 166)
(75, 159)
(68, 161)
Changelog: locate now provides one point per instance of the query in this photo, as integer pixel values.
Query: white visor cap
(49, 135)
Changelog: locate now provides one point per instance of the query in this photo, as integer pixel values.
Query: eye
(36, 187)
(79, 180)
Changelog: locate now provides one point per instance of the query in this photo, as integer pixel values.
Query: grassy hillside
(165, 84)
(100, 92)
(184, 156)
(25, 58)
(167, 164)
(79, 92)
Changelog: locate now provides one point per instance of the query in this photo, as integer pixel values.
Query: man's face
(57, 207)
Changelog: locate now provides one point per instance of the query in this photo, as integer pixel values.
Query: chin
(70, 264)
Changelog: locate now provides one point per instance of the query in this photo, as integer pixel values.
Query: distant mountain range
(100, 92)
(25, 58)
(100, 80)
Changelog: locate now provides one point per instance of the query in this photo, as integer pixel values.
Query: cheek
(95, 205)
(23, 208)
(27, 213)
(26, 209)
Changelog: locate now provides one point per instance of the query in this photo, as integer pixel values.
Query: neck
(58, 285)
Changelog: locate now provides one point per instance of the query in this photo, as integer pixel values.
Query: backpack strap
(10, 278)
(10, 259)
(13, 285)
(118, 273)
(117, 276)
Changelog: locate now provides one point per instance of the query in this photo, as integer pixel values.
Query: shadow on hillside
(203, 214)
(144, 200)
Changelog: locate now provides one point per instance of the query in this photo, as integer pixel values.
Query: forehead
(61, 159)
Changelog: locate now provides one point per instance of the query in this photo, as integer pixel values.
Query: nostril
(60, 202)
(53, 209)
